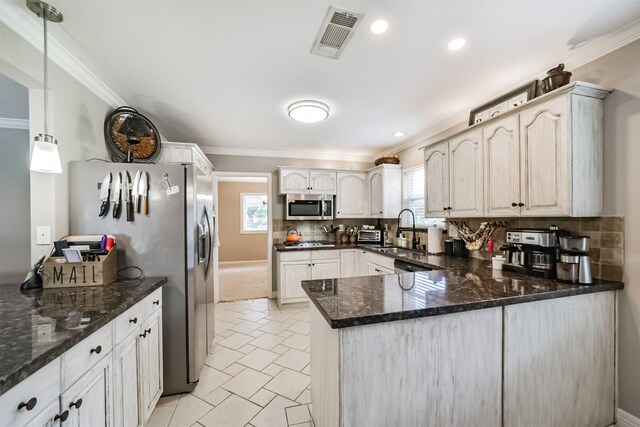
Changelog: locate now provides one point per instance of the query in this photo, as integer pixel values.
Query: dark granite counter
(279, 247)
(36, 328)
(455, 285)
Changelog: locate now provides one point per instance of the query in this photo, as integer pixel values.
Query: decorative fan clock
(130, 136)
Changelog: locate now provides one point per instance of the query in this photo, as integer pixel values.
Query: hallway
(241, 280)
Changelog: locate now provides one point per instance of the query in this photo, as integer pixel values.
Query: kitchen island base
(546, 363)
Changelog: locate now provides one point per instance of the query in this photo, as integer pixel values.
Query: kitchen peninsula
(461, 345)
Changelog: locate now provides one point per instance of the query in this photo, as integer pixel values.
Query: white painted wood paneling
(466, 175)
(125, 380)
(349, 263)
(433, 371)
(325, 371)
(322, 182)
(151, 365)
(294, 181)
(350, 199)
(436, 188)
(375, 193)
(559, 359)
(502, 177)
(291, 275)
(325, 269)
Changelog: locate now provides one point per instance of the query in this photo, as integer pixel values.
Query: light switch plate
(43, 235)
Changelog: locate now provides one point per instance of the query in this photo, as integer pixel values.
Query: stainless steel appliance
(407, 267)
(172, 238)
(308, 244)
(308, 206)
(371, 237)
(574, 265)
(531, 252)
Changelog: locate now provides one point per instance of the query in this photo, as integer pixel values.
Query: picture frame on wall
(504, 103)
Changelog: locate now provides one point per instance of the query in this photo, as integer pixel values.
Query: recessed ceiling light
(379, 26)
(456, 44)
(399, 134)
(308, 111)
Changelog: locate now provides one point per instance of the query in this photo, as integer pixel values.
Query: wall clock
(130, 136)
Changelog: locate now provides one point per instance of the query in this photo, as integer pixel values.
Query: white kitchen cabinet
(436, 187)
(350, 262)
(296, 266)
(48, 417)
(466, 175)
(375, 270)
(151, 363)
(291, 275)
(89, 399)
(544, 159)
(384, 191)
(350, 198)
(125, 380)
(502, 154)
(307, 181)
(325, 269)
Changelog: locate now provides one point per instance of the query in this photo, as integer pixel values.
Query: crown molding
(9, 123)
(15, 16)
(248, 152)
(625, 419)
(583, 55)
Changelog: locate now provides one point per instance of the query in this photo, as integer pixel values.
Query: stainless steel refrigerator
(174, 239)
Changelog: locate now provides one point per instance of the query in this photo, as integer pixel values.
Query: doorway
(243, 236)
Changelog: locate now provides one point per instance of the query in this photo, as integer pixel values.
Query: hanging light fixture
(45, 156)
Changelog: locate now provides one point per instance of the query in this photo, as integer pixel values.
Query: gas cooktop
(309, 244)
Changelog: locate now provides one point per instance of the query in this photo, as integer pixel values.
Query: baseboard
(625, 419)
(241, 262)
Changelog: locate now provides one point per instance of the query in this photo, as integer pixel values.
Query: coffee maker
(574, 265)
(532, 251)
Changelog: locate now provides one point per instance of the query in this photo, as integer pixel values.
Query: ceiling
(221, 73)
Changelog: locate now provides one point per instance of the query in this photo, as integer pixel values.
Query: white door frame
(215, 175)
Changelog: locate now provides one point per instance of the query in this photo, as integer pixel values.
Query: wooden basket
(90, 273)
(389, 159)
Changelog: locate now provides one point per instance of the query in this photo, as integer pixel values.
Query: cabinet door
(436, 187)
(502, 151)
(544, 153)
(322, 182)
(89, 399)
(375, 196)
(47, 417)
(294, 181)
(362, 264)
(466, 175)
(375, 269)
(325, 269)
(150, 342)
(349, 263)
(350, 199)
(126, 383)
(292, 275)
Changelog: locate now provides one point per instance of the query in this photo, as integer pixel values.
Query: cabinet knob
(144, 335)
(449, 208)
(147, 331)
(521, 204)
(96, 350)
(134, 320)
(62, 417)
(380, 211)
(30, 404)
(156, 302)
(77, 404)
(514, 204)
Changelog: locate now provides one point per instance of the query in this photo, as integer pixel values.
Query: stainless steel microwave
(308, 206)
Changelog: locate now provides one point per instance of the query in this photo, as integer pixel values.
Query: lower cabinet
(294, 267)
(126, 374)
(48, 417)
(375, 270)
(150, 341)
(88, 400)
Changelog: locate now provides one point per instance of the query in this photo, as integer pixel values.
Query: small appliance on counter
(371, 237)
(531, 252)
(574, 265)
(460, 248)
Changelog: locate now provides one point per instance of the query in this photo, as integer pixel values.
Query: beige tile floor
(257, 375)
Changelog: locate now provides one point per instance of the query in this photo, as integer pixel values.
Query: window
(253, 209)
(413, 198)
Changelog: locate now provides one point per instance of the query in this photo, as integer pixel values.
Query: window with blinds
(413, 198)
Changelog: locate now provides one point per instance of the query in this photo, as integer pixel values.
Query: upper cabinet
(384, 191)
(351, 197)
(542, 159)
(296, 181)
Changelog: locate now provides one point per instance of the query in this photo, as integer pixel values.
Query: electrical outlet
(43, 235)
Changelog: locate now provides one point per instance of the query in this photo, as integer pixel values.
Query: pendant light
(45, 156)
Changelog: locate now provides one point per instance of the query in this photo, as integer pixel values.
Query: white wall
(75, 119)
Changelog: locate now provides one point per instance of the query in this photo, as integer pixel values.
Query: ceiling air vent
(336, 30)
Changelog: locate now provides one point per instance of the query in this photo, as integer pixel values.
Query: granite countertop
(279, 247)
(37, 327)
(455, 285)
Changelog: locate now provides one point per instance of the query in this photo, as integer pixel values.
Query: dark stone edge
(50, 355)
(458, 308)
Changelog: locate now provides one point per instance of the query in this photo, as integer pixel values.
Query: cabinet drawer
(84, 355)
(128, 322)
(381, 260)
(328, 254)
(41, 388)
(296, 255)
(150, 303)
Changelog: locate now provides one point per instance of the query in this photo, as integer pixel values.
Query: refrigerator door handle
(210, 248)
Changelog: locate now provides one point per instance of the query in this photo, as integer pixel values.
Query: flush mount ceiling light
(399, 134)
(45, 156)
(379, 26)
(308, 111)
(456, 44)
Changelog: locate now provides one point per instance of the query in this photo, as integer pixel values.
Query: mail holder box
(88, 273)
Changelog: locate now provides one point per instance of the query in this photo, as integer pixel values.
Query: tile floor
(257, 376)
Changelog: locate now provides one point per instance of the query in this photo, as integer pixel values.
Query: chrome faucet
(414, 240)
